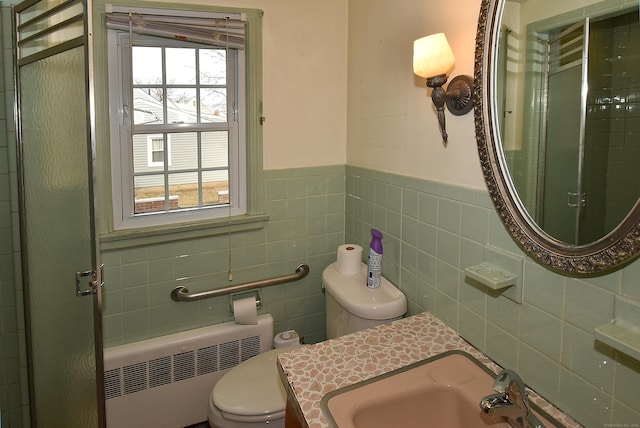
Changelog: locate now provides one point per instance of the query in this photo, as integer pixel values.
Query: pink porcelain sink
(443, 391)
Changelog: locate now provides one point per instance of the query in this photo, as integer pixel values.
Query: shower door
(60, 258)
(562, 149)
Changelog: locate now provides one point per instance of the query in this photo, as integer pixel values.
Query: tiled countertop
(312, 371)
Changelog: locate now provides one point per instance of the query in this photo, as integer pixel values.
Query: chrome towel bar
(181, 293)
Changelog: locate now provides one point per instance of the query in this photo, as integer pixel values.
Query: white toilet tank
(351, 306)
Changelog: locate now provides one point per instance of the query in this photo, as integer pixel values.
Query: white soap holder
(623, 332)
(620, 335)
(492, 276)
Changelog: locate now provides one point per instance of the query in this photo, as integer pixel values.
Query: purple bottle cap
(376, 241)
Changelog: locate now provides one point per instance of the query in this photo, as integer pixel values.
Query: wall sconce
(432, 58)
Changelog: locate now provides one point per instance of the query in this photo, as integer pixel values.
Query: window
(156, 151)
(178, 118)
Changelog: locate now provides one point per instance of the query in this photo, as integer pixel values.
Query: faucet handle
(505, 380)
(510, 401)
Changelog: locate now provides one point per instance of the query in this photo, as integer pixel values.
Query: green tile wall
(306, 225)
(432, 231)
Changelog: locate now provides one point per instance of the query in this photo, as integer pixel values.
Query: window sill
(177, 232)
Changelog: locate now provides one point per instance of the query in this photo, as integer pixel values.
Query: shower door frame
(89, 282)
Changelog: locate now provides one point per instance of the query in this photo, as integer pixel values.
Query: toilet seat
(217, 420)
(252, 391)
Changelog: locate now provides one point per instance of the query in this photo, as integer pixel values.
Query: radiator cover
(166, 382)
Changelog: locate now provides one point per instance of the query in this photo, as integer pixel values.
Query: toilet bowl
(250, 395)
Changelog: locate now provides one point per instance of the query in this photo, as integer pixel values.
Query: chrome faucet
(510, 401)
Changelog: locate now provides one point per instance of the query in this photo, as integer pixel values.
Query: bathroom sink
(443, 391)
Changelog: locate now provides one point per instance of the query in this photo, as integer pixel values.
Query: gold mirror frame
(611, 252)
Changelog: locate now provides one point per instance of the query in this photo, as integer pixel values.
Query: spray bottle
(374, 266)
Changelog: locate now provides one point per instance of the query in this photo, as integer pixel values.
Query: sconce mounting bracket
(460, 95)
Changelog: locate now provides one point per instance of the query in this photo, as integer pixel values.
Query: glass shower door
(563, 148)
(61, 280)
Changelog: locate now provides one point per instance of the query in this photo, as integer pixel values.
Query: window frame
(249, 158)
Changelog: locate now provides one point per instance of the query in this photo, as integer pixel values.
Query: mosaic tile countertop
(312, 371)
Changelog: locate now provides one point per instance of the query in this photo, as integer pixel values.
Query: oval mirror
(557, 120)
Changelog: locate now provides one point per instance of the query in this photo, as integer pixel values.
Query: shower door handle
(93, 282)
(575, 199)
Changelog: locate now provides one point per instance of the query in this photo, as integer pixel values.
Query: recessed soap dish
(492, 276)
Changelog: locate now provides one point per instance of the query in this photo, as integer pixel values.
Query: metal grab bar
(181, 293)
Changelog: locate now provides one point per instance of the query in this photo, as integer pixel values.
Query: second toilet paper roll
(245, 311)
(349, 259)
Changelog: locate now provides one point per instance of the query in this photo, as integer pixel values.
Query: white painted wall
(542, 9)
(339, 86)
(392, 124)
(305, 80)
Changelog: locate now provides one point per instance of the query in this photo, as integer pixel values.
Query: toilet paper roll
(349, 259)
(286, 338)
(245, 311)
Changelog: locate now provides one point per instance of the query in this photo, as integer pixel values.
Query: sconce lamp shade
(432, 56)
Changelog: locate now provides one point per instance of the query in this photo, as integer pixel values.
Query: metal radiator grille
(175, 368)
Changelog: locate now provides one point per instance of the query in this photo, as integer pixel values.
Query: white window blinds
(216, 29)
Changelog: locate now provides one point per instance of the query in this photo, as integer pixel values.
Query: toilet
(252, 394)
(351, 306)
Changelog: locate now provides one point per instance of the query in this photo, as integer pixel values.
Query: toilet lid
(253, 388)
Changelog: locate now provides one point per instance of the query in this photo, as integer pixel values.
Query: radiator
(166, 382)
